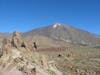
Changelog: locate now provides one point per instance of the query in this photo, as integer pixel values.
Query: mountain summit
(56, 25)
(64, 33)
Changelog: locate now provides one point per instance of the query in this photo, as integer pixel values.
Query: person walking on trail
(35, 46)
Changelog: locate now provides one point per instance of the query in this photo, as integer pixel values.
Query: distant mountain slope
(4, 35)
(64, 33)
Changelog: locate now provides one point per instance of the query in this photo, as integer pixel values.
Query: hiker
(35, 46)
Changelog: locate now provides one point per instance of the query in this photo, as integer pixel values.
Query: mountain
(60, 34)
(4, 35)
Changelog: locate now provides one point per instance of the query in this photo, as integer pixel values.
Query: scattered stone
(59, 55)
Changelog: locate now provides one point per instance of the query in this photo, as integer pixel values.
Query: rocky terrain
(54, 50)
(63, 34)
(19, 58)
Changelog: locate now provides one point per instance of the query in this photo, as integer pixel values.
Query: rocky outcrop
(16, 39)
(19, 56)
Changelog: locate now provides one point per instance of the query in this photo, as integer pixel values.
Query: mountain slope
(4, 35)
(64, 33)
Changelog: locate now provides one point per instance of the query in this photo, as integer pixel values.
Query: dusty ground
(68, 61)
(83, 58)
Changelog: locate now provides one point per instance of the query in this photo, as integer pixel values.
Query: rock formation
(15, 55)
(16, 39)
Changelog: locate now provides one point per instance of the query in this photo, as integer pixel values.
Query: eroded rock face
(16, 39)
(25, 44)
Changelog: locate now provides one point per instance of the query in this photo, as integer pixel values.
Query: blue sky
(24, 15)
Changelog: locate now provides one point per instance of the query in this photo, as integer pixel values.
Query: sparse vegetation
(53, 54)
